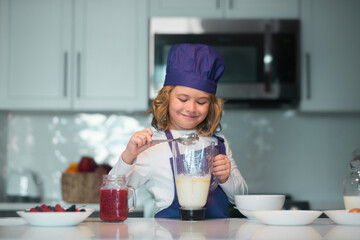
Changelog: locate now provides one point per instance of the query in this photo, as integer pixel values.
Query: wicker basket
(81, 187)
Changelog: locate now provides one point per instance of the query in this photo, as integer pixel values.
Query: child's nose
(191, 106)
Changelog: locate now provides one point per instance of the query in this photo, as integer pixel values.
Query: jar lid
(355, 162)
(114, 177)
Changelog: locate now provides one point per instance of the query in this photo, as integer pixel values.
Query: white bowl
(343, 217)
(287, 217)
(246, 204)
(55, 218)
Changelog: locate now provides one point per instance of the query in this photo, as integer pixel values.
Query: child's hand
(221, 167)
(139, 142)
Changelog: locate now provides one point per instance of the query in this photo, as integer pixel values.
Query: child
(186, 103)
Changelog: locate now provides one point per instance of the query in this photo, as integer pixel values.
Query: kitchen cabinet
(111, 55)
(330, 59)
(195, 8)
(33, 53)
(226, 8)
(74, 54)
(262, 9)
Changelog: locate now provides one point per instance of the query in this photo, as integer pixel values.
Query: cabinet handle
(78, 71)
(231, 4)
(65, 73)
(217, 4)
(308, 75)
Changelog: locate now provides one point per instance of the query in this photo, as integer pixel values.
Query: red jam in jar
(114, 198)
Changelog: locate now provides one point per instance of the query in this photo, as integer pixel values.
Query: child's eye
(182, 99)
(202, 102)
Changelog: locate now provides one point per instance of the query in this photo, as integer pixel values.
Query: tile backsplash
(277, 151)
(47, 143)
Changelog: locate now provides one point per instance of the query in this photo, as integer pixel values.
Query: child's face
(188, 107)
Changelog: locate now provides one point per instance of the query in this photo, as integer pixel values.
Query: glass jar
(352, 183)
(114, 198)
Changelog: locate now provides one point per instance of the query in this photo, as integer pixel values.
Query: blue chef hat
(194, 65)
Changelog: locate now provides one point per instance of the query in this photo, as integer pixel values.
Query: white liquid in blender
(192, 191)
(351, 202)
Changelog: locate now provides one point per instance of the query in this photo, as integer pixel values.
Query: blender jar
(192, 168)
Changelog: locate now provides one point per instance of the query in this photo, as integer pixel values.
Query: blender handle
(213, 184)
(132, 207)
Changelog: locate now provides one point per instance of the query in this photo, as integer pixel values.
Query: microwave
(261, 55)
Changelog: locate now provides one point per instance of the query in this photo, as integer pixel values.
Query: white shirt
(152, 168)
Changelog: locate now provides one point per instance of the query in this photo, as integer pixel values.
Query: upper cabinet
(226, 8)
(198, 8)
(35, 53)
(110, 55)
(74, 54)
(330, 59)
(288, 9)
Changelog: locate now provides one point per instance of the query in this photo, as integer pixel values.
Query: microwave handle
(267, 81)
(267, 58)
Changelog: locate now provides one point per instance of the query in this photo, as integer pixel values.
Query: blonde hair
(161, 118)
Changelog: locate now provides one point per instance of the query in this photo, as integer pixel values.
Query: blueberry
(72, 208)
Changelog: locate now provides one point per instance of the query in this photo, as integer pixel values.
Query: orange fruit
(73, 168)
(354, 210)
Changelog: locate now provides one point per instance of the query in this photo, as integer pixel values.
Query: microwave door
(248, 74)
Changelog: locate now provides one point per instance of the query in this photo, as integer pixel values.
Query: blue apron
(217, 205)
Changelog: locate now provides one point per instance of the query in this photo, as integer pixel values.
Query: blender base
(192, 214)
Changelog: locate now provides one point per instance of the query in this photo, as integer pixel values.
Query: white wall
(278, 151)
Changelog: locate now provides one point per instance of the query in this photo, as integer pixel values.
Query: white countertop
(151, 228)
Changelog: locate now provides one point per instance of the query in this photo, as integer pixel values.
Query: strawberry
(44, 208)
(58, 208)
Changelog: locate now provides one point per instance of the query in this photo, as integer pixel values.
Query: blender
(192, 169)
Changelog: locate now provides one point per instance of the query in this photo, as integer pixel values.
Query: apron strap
(173, 210)
(169, 136)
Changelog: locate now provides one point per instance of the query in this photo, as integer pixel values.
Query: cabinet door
(195, 8)
(110, 55)
(331, 51)
(35, 53)
(262, 9)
